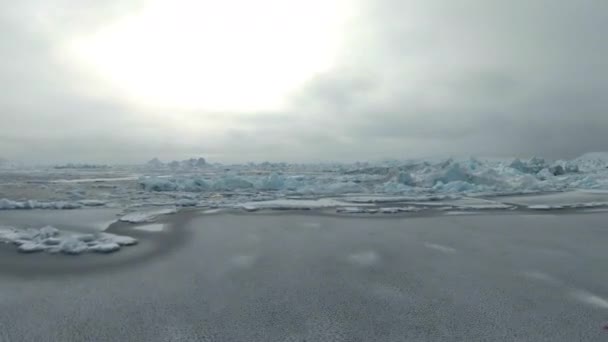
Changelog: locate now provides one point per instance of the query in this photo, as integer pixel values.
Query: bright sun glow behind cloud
(229, 55)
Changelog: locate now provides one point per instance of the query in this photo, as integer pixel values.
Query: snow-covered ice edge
(312, 186)
(147, 216)
(52, 240)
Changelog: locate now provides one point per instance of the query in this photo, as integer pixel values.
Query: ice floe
(53, 240)
(147, 216)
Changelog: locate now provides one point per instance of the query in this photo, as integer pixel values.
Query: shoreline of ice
(52, 240)
(196, 184)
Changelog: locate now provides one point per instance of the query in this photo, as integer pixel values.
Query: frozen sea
(313, 276)
(443, 250)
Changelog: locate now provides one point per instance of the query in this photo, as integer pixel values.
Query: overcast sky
(393, 79)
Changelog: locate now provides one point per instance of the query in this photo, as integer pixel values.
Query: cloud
(475, 77)
(415, 78)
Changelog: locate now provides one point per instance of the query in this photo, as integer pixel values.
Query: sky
(123, 81)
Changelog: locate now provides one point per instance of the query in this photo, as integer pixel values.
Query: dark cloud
(476, 77)
(415, 78)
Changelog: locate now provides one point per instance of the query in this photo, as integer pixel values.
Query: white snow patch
(598, 210)
(490, 206)
(153, 228)
(294, 204)
(468, 203)
(441, 248)
(544, 207)
(568, 206)
(351, 210)
(7, 204)
(107, 247)
(101, 226)
(366, 259)
(393, 199)
(94, 180)
(455, 213)
(72, 245)
(147, 216)
(52, 240)
(566, 199)
(212, 211)
(590, 298)
(390, 210)
(395, 210)
(311, 224)
(30, 247)
(537, 275)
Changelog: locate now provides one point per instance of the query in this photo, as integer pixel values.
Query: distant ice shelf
(198, 184)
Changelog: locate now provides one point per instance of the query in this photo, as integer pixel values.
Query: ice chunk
(65, 205)
(495, 206)
(592, 161)
(48, 232)
(295, 204)
(155, 228)
(33, 204)
(92, 203)
(545, 174)
(571, 167)
(72, 245)
(194, 184)
(341, 188)
(106, 247)
(197, 184)
(534, 165)
(228, 185)
(9, 234)
(215, 211)
(53, 241)
(405, 178)
(351, 210)
(544, 207)
(8, 204)
(518, 165)
(232, 183)
(86, 237)
(557, 170)
(395, 210)
(451, 172)
(147, 216)
(458, 187)
(273, 182)
(186, 202)
(157, 184)
(155, 163)
(193, 163)
(31, 247)
(118, 239)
